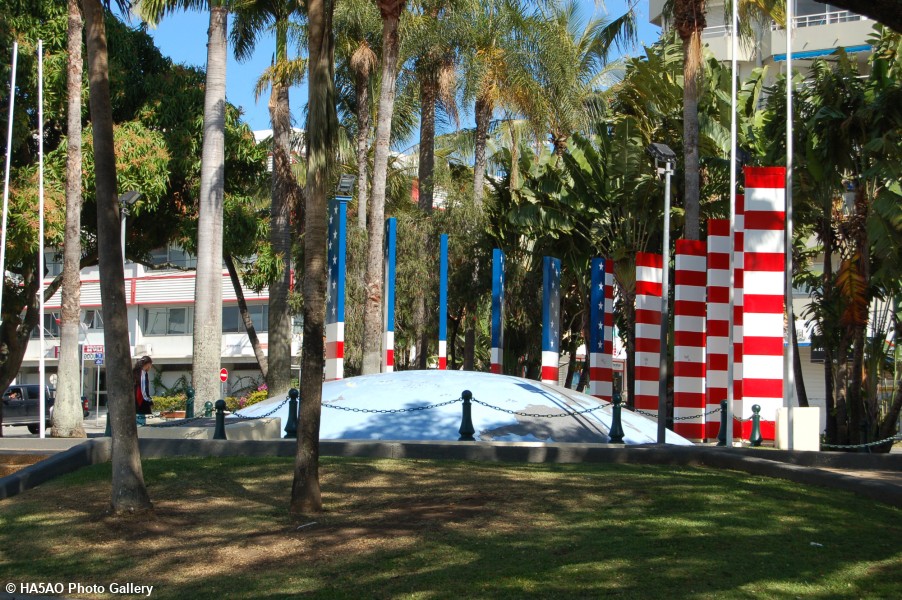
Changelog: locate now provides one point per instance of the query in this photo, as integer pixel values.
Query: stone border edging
(794, 466)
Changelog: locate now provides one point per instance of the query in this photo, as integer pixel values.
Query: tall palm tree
(322, 137)
(569, 62)
(207, 352)
(252, 19)
(357, 27)
(390, 10)
(67, 412)
(129, 493)
(689, 21)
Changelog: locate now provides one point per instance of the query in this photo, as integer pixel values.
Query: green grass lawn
(430, 529)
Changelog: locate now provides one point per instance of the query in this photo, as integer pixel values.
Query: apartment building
(160, 303)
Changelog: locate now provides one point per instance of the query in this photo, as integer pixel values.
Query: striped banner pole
(391, 233)
(597, 312)
(497, 310)
(717, 322)
(335, 290)
(443, 303)
(551, 319)
(763, 301)
(690, 280)
(738, 288)
(649, 275)
(607, 359)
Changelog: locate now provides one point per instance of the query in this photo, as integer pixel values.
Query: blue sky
(183, 37)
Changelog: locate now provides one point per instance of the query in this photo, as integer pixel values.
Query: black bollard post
(108, 432)
(208, 409)
(864, 437)
(616, 432)
(189, 403)
(466, 421)
(722, 434)
(291, 426)
(755, 437)
(219, 433)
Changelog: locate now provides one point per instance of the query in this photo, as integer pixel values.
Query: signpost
(95, 353)
(223, 377)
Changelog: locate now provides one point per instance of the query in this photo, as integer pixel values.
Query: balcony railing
(827, 18)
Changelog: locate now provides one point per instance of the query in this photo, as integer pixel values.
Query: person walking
(143, 400)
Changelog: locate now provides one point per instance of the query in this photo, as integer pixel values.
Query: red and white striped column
(763, 301)
(649, 275)
(690, 280)
(717, 322)
(738, 287)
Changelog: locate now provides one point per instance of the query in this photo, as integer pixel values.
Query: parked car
(21, 406)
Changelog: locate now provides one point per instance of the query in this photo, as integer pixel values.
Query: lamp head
(661, 152)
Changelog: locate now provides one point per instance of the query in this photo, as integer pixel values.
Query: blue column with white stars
(596, 325)
(335, 290)
(551, 319)
(497, 310)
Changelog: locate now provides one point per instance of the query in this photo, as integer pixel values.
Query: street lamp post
(126, 201)
(663, 154)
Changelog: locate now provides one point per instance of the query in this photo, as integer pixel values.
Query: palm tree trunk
(284, 198)
(830, 401)
(208, 286)
(483, 118)
(246, 317)
(129, 493)
(426, 168)
(67, 411)
(373, 281)
(362, 93)
(306, 496)
(690, 146)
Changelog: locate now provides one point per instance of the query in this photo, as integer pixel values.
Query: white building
(161, 319)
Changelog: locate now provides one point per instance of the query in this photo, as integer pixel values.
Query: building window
(93, 319)
(173, 255)
(168, 321)
(232, 322)
(51, 326)
(53, 263)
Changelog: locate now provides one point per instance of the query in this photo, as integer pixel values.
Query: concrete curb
(88, 452)
(802, 467)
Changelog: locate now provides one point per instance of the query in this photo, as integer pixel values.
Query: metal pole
(42, 400)
(9, 147)
(789, 383)
(665, 318)
(734, 50)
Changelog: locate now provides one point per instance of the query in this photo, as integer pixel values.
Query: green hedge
(177, 402)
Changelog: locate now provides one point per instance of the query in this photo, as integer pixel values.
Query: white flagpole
(730, 303)
(9, 145)
(40, 273)
(789, 383)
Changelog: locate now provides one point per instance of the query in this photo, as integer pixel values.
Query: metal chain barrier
(895, 438)
(387, 411)
(175, 422)
(689, 418)
(523, 414)
(269, 414)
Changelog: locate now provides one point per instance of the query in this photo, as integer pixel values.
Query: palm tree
(322, 129)
(390, 10)
(568, 60)
(67, 413)
(207, 352)
(129, 494)
(689, 21)
(252, 19)
(357, 24)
